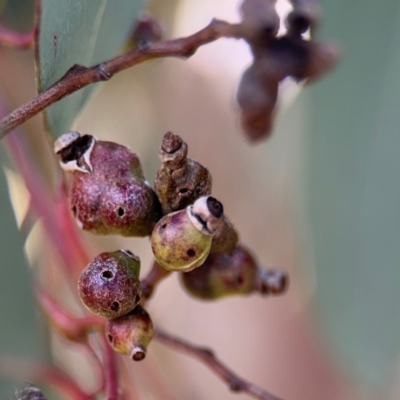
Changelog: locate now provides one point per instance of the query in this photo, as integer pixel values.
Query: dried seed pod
(108, 192)
(181, 241)
(225, 238)
(305, 15)
(260, 21)
(289, 55)
(131, 333)
(257, 96)
(180, 181)
(232, 274)
(109, 285)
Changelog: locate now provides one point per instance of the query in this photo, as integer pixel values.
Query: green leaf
(19, 326)
(354, 188)
(78, 32)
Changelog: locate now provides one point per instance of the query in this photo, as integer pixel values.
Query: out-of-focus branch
(206, 356)
(79, 76)
(74, 329)
(57, 220)
(14, 39)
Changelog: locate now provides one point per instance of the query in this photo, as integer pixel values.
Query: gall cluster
(189, 234)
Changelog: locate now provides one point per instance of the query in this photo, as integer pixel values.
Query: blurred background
(319, 199)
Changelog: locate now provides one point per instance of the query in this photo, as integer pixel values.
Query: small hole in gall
(191, 253)
(107, 274)
(139, 356)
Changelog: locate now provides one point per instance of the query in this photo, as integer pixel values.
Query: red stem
(56, 218)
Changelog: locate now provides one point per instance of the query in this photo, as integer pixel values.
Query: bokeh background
(320, 199)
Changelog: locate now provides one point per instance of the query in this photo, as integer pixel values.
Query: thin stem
(14, 39)
(79, 76)
(99, 366)
(152, 279)
(110, 371)
(206, 356)
(75, 329)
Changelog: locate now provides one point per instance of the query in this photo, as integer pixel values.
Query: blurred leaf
(17, 14)
(354, 187)
(19, 329)
(78, 32)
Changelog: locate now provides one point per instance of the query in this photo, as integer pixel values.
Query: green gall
(181, 241)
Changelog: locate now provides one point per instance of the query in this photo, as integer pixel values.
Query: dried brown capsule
(260, 21)
(109, 285)
(257, 96)
(108, 192)
(181, 241)
(131, 333)
(305, 15)
(282, 57)
(291, 55)
(180, 181)
(237, 273)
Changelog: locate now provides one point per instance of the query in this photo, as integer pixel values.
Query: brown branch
(206, 356)
(79, 76)
(14, 39)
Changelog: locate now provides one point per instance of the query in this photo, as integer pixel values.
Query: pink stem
(57, 222)
(110, 371)
(14, 39)
(47, 374)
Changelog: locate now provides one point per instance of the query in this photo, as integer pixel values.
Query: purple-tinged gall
(181, 241)
(180, 181)
(260, 21)
(109, 285)
(237, 273)
(131, 334)
(107, 190)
